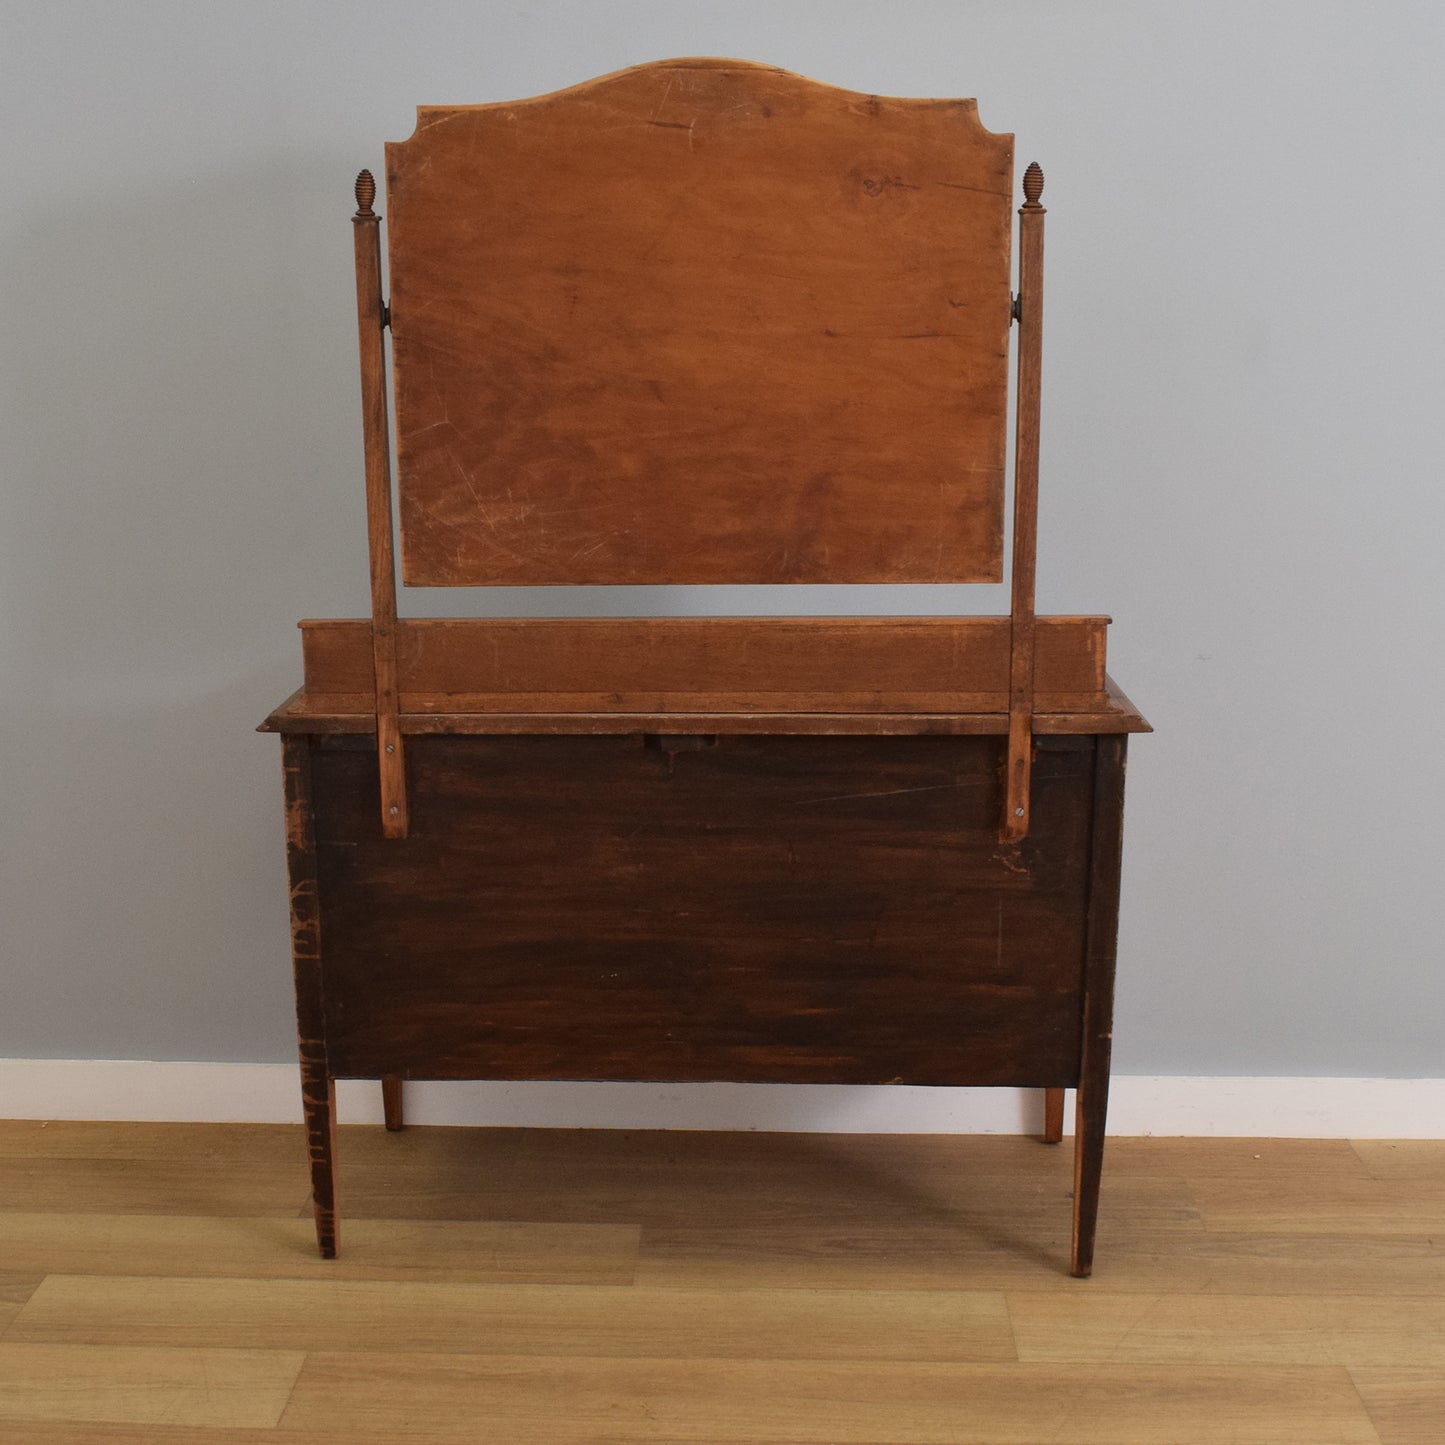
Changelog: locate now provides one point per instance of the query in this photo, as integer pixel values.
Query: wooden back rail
(700, 321)
(719, 665)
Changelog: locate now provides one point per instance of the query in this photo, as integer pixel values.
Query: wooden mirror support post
(371, 316)
(1029, 309)
(703, 322)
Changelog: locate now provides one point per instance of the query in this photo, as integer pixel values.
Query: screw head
(394, 810)
(1018, 812)
(391, 747)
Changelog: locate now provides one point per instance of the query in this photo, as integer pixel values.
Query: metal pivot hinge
(386, 314)
(1015, 309)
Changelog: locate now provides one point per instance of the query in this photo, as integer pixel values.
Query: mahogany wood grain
(391, 1101)
(1022, 679)
(785, 909)
(700, 322)
(358, 719)
(1053, 1116)
(353, 715)
(1092, 1101)
(370, 316)
(318, 1089)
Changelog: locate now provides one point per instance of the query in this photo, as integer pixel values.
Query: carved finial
(1033, 185)
(365, 193)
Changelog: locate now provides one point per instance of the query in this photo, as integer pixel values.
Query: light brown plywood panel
(700, 321)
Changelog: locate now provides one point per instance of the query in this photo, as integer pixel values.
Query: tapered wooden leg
(1053, 1116)
(391, 1100)
(1090, 1109)
(318, 1100)
(318, 1089)
(1092, 1105)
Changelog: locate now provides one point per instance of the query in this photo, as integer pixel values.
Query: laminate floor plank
(254, 1145)
(145, 1386)
(1226, 1329)
(1249, 1159)
(560, 1401)
(907, 1254)
(1422, 1160)
(159, 1286)
(97, 1432)
(628, 1150)
(983, 1205)
(264, 1247)
(15, 1287)
(340, 1315)
(669, 1174)
(1325, 1203)
(1406, 1406)
(883, 1254)
(149, 1186)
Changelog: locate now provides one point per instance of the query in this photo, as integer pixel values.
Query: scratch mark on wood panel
(891, 792)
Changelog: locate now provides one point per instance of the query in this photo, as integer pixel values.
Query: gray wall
(1242, 453)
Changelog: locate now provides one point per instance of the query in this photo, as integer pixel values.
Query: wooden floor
(158, 1285)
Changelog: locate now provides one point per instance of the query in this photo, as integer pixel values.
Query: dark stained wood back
(700, 321)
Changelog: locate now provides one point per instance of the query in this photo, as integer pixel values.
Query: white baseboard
(270, 1093)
